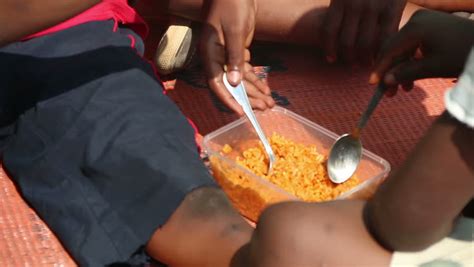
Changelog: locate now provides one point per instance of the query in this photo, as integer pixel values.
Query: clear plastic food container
(251, 194)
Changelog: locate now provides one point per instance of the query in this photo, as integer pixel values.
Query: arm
(446, 5)
(25, 17)
(417, 205)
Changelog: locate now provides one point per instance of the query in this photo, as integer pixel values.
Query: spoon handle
(378, 95)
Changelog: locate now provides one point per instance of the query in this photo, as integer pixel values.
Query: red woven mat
(332, 96)
(24, 239)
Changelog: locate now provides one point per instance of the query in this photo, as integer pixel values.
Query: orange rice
(299, 169)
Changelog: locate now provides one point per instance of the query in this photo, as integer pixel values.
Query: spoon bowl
(344, 158)
(346, 152)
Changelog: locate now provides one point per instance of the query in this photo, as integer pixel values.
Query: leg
(449, 6)
(106, 159)
(214, 228)
(298, 21)
(304, 234)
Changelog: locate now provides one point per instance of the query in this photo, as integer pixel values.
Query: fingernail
(233, 77)
(270, 102)
(374, 78)
(390, 79)
(330, 59)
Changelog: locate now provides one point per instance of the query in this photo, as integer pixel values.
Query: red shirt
(117, 10)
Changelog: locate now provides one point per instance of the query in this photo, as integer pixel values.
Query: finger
(330, 30)
(408, 86)
(396, 47)
(218, 87)
(366, 40)
(247, 55)
(252, 78)
(213, 55)
(234, 39)
(391, 91)
(390, 20)
(256, 98)
(348, 35)
(410, 71)
(257, 89)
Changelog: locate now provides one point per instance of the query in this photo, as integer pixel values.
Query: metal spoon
(242, 99)
(346, 152)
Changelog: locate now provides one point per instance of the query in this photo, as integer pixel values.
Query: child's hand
(227, 33)
(431, 44)
(354, 27)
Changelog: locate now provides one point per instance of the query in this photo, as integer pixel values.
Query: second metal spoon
(346, 152)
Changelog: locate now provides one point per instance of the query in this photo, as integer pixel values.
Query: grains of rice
(226, 149)
(299, 169)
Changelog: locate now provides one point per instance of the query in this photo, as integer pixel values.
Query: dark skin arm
(24, 17)
(418, 205)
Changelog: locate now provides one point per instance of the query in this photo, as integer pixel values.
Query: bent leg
(296, 21)
(106, 159)
(309, 234)
(204, 231)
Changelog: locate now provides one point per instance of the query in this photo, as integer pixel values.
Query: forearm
(446, 5)
(417, 205)
(24, 17)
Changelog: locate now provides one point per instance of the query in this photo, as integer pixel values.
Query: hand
(431, 44)
(357, 26)
(227, 34)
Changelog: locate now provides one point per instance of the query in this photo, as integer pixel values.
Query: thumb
(235, 55)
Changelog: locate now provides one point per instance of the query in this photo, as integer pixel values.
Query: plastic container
(253, 193)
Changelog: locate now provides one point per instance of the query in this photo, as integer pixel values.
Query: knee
(207, 203)
(276, 220)
(281, 236)
(210, 208)
(279, 223)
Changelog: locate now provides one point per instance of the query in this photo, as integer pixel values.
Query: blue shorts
(95, 147)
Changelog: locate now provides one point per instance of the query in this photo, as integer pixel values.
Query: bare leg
(308, 235)
(450, 6)
(205, 230)
(296, 21)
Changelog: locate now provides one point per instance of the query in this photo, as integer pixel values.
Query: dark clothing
(96, 148)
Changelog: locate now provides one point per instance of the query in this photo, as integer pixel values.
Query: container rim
(208, 151)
